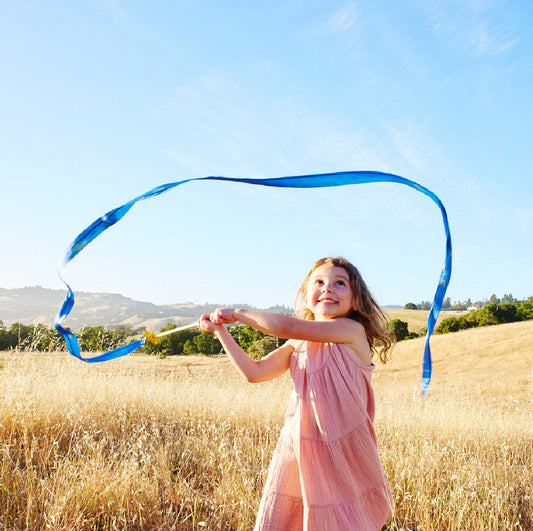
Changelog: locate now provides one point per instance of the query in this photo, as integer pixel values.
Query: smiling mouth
(327, 301)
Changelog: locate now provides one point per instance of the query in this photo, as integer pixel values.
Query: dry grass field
(183, 443)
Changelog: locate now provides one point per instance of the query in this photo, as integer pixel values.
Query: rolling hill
(34, 305)
(491, 361)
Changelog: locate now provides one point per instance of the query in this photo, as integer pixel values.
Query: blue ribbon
(322, 180)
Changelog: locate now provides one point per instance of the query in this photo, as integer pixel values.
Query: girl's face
(329, 294)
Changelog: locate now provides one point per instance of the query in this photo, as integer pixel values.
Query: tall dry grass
(183, 443)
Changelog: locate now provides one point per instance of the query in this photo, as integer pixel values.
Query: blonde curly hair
(376, 324)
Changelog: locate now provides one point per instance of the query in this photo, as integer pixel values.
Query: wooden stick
(178, 329)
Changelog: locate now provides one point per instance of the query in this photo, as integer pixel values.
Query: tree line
(255, 343)
(461, 305)
(491, 314)
(192, 341)
(495, 311)
(43, 339)
(100, 338)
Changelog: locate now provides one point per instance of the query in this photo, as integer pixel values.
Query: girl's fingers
(203, 322)
(215, 317)
(221, 316)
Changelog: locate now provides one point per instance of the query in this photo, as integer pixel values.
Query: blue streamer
(322, 180)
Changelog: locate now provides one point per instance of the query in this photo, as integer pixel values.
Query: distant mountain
(34, 305)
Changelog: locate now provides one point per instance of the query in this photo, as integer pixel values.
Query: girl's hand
(206, 325)
(223, 316)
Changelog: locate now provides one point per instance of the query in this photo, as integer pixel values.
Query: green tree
(260, 348)
(23, 334)
(400, 329)
(189, 347)
(176, 342)
(507, 313)
(95, 338)
(410, 306)
(451, 324)
(173, 344)
(40, 338)
(207, 343)
(8, 339)
(121, 335)
(203, 343)
(525, 310)
(424, 305)
(495, 314)
(245, 335)
(56, 341)
(468, 321)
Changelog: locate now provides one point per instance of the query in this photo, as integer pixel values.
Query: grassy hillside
(184, 443)
(486, 361)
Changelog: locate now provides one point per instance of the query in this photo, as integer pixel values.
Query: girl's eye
(341, 283)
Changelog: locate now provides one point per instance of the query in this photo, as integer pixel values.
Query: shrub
(400, 329)
(452, 324)
(260, 348)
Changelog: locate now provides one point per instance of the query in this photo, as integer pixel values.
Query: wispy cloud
(342, 20)
(489, 39)
(286, 134)
(414, 145)
(477, 28)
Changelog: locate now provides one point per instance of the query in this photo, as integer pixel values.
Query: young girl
(325, 474)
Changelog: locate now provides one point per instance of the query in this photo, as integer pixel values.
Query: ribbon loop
(320, 180)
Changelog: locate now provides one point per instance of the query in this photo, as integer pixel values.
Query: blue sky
(103, 100)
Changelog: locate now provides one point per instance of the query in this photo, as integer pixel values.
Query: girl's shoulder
(358, 347)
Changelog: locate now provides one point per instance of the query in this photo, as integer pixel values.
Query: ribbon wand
(154, 338)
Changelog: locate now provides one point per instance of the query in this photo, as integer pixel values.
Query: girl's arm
(268, 368)
(338, 330)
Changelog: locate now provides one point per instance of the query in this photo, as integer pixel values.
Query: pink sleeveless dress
(326, 474)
